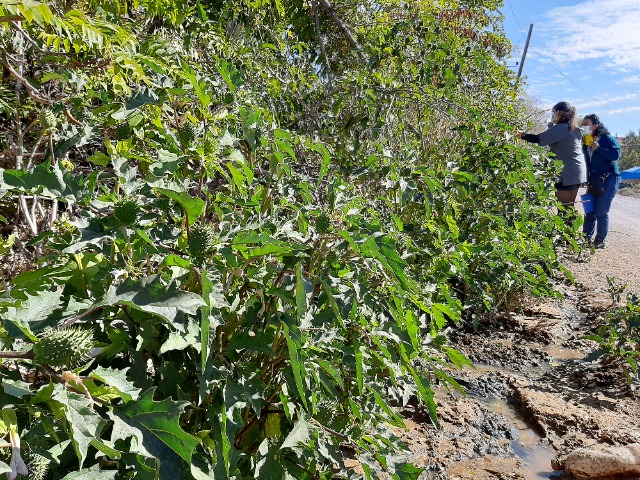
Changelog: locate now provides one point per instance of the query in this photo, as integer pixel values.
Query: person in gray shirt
(564, 139)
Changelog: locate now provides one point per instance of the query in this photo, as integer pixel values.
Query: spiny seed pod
(48, 119)
(355, 431)
(323, 223)
(5, 455)
(201, 240)
(37, 465)
(126, 211)
(187, 134)
(63, 348)
(327, 411)
(210, 146)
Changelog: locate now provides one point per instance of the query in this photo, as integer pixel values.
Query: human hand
(594, 146)
(519, 135)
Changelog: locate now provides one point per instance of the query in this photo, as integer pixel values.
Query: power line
(516, 18)
(579, 87)
(562, 73)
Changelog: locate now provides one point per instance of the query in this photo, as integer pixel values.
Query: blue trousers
(598, 221)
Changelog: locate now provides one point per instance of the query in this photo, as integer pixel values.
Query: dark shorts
(566, 188)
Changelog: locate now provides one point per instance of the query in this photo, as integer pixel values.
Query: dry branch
(31, 90)
(343, 27)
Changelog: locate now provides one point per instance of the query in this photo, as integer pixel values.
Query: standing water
(536, 457)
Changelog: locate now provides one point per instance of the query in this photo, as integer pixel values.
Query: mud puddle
(535, 456)
(532, 395)
(537, 460)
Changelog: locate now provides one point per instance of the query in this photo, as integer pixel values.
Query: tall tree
(630, 150)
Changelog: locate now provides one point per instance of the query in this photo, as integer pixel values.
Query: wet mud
(535, 393)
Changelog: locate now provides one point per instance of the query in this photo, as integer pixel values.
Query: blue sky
(585, 52)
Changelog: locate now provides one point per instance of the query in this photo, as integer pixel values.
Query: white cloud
(630, 79)
(624, 110)
(608, 100)
(606, 33)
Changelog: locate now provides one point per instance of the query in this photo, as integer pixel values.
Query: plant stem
(27, 355)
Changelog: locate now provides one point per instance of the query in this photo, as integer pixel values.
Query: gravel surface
(621, 258)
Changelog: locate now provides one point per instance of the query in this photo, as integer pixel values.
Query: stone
(600, 461)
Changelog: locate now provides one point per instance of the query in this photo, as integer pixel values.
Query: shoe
(599, 245)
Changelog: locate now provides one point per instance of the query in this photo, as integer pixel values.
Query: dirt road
(625, 216)
(621, 258)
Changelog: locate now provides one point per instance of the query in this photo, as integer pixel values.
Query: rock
(571, 424)
(600, 461)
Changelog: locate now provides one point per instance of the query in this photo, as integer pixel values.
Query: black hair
(569, 114)
(595, 120)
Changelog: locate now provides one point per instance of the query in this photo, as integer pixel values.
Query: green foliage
(619, 336)
(347, 198)
(630, 150)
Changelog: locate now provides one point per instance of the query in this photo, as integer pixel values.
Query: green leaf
(85, 424)
(156, 428)
(5, 245)
(93, 473)
(31, 315)
(229, 73)
(268, 245)
(118, 380)
(205, 324)
(359, 366)
(182, 340)
(199, 86)
(391, 415)
(152, 296)
(193, 206)
(142, 97)
(99, 159)
(296, 365)
(4, 468)
(413, 328)
(45, 181)
(43, 395)
(298, 434)
(333, 372)
(426, 394)
(301, 294)
(287, 148)
(458, 359)
(16, 388)
(326, 158)
(230, 423)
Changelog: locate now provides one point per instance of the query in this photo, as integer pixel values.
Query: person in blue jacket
(603, 167)
(564, 139)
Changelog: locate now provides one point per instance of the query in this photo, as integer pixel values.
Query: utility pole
(524, 53)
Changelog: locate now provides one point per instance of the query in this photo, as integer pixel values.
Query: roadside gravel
(621, 258)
